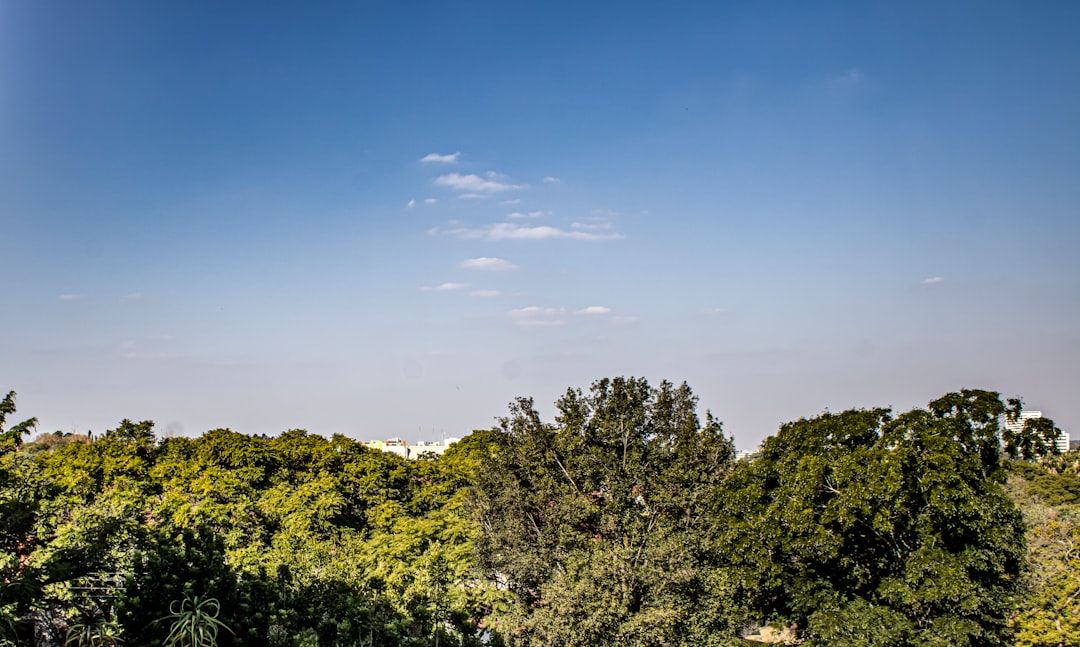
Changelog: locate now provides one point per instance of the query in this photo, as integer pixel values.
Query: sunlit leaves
(600, 524)
(894, 524)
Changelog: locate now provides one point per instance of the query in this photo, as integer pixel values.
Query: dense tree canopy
(1049, 496)
(865, 528)
(299, 539)
(12, 437)
(600, 523)
(625, 519)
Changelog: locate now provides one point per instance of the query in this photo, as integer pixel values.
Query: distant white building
(1018, 425)
(403, 449)
(431, 446)
(1063, 442)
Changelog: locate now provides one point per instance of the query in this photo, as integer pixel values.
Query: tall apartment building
(1018, 424)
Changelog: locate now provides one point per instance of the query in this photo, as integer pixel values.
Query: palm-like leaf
(194, 622)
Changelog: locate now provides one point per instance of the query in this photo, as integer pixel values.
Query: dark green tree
(600, 524)
(23, 492)
(1048, 611)
(1036, 439)
(12, 437)
(864, 528)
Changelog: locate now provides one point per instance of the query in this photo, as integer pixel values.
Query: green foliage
(1053, 488)
(862, 528)
(136, 433)
(625, 520)
(600, 524)
(24, 492)
(97, 632)
(1036, 439)
(12, 437)
(195, 622)
(1049, 611)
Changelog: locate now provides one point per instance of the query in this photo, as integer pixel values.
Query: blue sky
(389, 219)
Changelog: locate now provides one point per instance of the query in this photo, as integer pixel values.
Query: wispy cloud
(485, 293)
(410, 204)
(68, 297)
(430, 200)
(932, 280)
(852, 76)
(444, 287)
(489, 264)
(435, 158)
(531, 312)
(624, 320)
(551, 180)
(537, 316)
(594, 310)
(517, 215)
(491, 182)
(132, 349)
(150, 355)
(513, 231)
(591, 226)
(512, 201)
(132, 296)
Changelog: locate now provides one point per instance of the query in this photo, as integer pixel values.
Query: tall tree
(12, 437)
(23, 491)
(864, 528)
(600, 524)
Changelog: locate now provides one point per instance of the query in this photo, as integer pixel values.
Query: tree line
(626, 519)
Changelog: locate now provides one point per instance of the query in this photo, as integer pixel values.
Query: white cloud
(159, 355)
(537, 316)
(471, 196)
(444, 287)
(485, 293)
(411, 204)
(435, 158)
(853, 76)
(932, 280)
(536, 313)
(590, 226)
(594, 310)
(68, 297)
(491, 182)
(489, 264)
(514, 201)
(132, 296)
(430, 200)
(512, 231)
(624, 320)
(552, 180)
(517, 215)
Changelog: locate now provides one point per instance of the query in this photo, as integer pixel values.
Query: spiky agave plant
(194, 622)
(94, 633)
